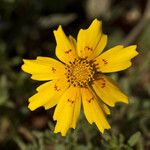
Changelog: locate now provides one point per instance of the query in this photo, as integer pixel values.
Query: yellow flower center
(80, 72)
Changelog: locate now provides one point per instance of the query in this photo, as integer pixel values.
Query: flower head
(78, 77)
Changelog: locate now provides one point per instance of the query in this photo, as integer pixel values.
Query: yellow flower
(79, 77)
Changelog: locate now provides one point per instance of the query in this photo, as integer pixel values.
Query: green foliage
(133, 140)
(26, 31)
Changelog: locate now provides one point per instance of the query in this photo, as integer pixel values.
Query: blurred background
(26, 31)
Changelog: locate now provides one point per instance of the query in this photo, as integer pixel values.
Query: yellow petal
(73, 41)
(116, 58)
(76, 112)
(44, 68)
(67, 110)
(100, 47)
(91, 42)
(48, 94)
(65, 49)
(108, 91)
(44, 86)
(105, 108)
(93, 111)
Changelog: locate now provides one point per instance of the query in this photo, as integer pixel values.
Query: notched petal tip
(27, 60)
(59, 29)
(34, 77)
(97, 21)
(136, 52)
(24, 60)
(95, 24)
(46, 107)
(62, 134)
(133, 48)
(107, 128)
(108, 113)
(126, 100)
(105, 36)
(104, 129)
(59, 129)
(32, 107)
(112, 104)
(22, 67)
(25, 65)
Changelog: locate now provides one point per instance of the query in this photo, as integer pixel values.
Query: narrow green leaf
(133, 140)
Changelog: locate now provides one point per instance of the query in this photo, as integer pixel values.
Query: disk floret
(80, 72)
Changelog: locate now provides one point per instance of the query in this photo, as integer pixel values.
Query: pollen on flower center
(80, 72)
